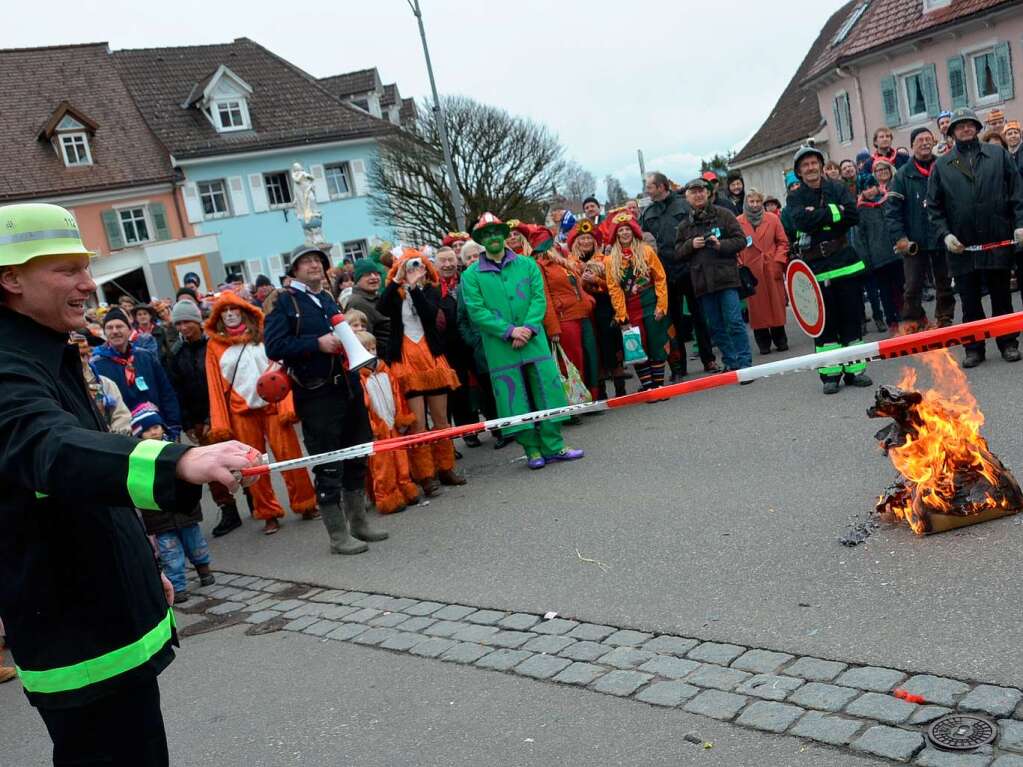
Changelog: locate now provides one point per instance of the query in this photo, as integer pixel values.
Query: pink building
(895, 63)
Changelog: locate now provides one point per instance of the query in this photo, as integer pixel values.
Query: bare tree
(577, 184)
(505, 164)
(616, 194)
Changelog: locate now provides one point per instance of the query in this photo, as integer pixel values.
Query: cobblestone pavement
(840, 704)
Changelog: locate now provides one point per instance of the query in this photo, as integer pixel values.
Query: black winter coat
(977, 195)
(78, 578)
(871, 240)
(186, 368)
(426, 301)
(905, 210)
(661, 219)
(712, 269)
(157, 522)
(826, 214)
(456, 351)
(377, 322)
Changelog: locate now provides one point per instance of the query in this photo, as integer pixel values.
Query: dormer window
(75, 147)
(69, 132)
(223, 100)
(231, 115)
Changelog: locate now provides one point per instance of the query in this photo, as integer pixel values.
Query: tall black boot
(780, 338)
(355, 510)
(229, 520)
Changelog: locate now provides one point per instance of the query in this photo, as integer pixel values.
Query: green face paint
(494, 243)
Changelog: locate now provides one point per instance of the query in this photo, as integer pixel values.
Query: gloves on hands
(953, 244)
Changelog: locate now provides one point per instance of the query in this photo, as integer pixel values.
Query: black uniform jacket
(80, 592)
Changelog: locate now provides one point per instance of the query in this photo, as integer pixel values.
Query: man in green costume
(504, 296)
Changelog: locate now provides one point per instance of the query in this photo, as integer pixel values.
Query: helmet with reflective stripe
(33, 229)
(803, 152)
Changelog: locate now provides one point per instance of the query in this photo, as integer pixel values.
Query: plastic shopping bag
(575, 390)
(632, 342)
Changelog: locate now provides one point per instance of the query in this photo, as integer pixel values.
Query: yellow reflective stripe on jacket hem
(836, 214)
(40, 495)
(142, 472)
(842, 271)
(95, 670)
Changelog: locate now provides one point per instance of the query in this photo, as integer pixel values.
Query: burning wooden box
(948, 478)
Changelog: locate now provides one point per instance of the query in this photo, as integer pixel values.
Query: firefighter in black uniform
(84, 605)
(823, 211)
(328, 398)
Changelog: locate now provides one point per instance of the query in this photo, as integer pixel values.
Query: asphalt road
(717, 515)
(287, 699)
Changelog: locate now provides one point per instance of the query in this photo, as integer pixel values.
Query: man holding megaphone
(328, 394)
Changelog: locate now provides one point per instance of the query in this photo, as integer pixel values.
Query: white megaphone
(355, 352)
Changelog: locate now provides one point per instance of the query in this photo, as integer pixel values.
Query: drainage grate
(961, 732)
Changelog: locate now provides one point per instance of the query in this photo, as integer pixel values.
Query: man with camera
(328, 398)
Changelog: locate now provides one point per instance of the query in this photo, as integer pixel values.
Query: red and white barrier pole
(888, 348)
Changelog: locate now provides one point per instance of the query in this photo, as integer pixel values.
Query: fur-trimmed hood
(253, 316)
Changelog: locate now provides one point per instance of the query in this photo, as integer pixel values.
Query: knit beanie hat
(865, 181)
(186, 311)
(790, 178)
(1012, 124)
(116, 314)
(363, 267)
(144, 416)
(916, 132)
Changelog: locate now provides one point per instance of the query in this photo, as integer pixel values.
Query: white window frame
(902, 77)
(933, 5)
(838, 128)
(150, 231)
(224, 193)
(266, 186)
(241, 267)
(64, 137)
(346, 171)
(243, 109)
(974, 81)
(355, 102)
(850, 22)
(362, 249)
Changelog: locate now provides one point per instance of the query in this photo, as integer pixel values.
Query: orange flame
(947, 441)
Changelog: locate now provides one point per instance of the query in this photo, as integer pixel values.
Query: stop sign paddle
(805, 297)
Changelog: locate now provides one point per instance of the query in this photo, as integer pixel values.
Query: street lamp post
(456, 195)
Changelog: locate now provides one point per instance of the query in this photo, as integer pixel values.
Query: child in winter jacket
(177, 535)
(389, 479)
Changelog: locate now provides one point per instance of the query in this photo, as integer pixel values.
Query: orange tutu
(420, 372)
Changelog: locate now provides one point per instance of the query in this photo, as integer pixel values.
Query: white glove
(953, 244)
(1018, 236)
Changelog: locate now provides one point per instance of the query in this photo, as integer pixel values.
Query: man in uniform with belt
(328, 398)
(82, 600)
(822, 212)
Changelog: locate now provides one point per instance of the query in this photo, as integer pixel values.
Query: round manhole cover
(961, 732)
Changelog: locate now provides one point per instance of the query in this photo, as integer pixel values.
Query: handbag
(575, 390)
(632, 344)
(747, 282)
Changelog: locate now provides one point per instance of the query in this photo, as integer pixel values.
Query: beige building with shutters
(896, 63)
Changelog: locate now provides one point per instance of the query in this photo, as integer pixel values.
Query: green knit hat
(366, 266)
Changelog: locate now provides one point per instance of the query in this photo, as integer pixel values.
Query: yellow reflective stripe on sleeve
(836, 214)
(142, 472)
(40, 495)
(842, 271)
(105, 666)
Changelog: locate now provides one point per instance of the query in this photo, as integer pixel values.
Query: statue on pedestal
(305, 205)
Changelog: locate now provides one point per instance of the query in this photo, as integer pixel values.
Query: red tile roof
(390, 96)
(351, 83)
(408, 111)
(797, 115)
(887, 21)
(288, 107)
(125, 152)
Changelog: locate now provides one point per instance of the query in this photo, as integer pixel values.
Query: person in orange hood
(390, 481)
(234, 361)
(415, 354)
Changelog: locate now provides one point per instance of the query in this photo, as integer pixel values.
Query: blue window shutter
(957, 82)
(113, 229)
(1003, 71)
(839, 131)
(847, 116)
(158, 213)
(890, 101)
(929, 75)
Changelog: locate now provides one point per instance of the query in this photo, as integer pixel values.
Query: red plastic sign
(805, 297)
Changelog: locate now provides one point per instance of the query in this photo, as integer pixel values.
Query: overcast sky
(676, 78)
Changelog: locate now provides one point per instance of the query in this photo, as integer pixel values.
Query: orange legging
(391, 485)
(257, 427)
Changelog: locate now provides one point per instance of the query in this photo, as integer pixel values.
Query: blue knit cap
(144, 416)
(790, 179)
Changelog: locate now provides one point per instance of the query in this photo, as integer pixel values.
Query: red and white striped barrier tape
(887, 348)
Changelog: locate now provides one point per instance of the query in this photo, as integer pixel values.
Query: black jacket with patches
(78, 578)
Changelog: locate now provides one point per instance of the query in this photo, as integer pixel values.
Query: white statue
(305, 205)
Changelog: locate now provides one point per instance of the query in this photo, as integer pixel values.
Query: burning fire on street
(948, 477)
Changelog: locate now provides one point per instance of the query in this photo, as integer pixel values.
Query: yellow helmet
(32, 229)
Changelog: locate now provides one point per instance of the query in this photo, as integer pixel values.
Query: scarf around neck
(753, 218)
